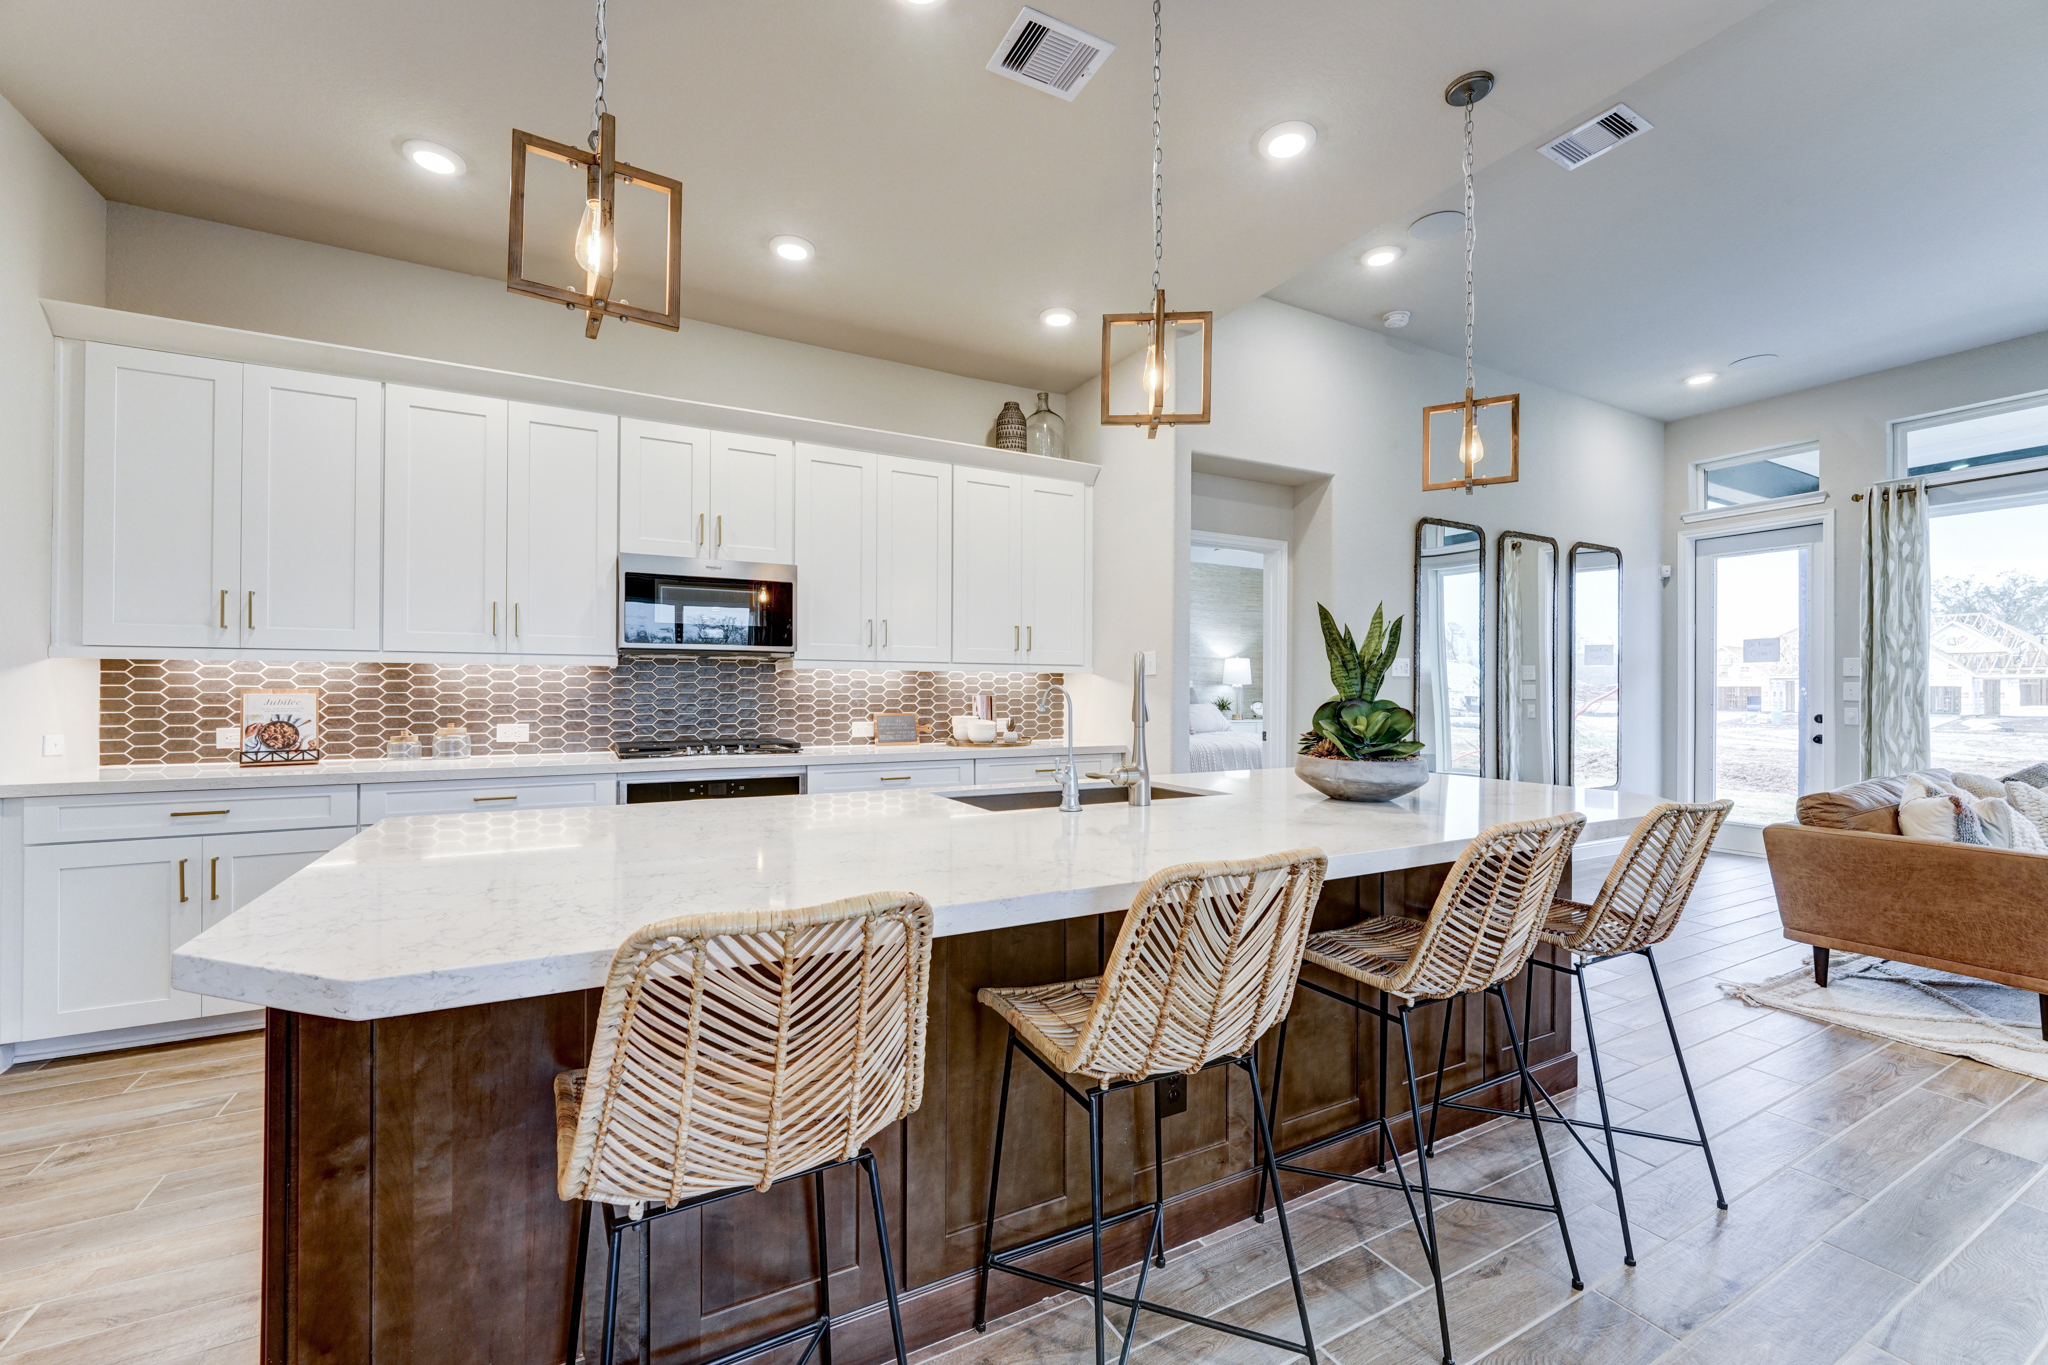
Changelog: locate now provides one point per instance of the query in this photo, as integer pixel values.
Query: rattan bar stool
(1638, 907)
(736, 1053)
(1204, 965)
(1483, 929)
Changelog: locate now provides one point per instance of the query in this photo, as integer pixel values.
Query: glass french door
(1757, 732)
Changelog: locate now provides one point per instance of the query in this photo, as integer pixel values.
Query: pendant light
(595, 249)
(1162, 399)
(1470, 448)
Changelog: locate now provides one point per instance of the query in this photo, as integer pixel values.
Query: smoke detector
(1596, 137)
(1397, 318)
(1046, 54)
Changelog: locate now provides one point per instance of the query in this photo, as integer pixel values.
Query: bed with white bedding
(1213, 747)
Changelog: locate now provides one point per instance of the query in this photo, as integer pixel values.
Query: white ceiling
(950, 206)
(1852, 184)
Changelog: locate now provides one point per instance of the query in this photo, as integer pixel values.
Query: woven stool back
(1204, 964)
(1650, 882)
(740, 1050)
(1483, 927)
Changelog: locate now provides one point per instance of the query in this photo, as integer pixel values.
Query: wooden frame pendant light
(1163, 330)
(597, 249)
(1465, 92)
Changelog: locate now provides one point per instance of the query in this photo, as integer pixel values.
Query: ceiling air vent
(1596, 137)
(1048, 55)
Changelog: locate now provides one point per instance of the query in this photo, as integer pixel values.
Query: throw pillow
(1204, 719)
(1944, 819)
(2034, 775)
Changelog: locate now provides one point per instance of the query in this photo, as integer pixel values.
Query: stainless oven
(705, 606)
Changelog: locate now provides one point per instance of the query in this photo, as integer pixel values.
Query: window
(2011, 433)
(1987, 666)
(1756, 477)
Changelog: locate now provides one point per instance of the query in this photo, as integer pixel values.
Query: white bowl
(981, 731)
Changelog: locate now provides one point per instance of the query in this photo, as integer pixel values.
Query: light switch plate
(1852, 689)
(1151, 663)
(514, 733)
(53, 746)
(227, 737)
(1852, 715)
(1399, 670)
(1852, 668)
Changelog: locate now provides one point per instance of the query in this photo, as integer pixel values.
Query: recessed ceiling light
(1430, 226)
(792, 248)
(432, 156)
(1381, 255)
(1397, 318)
(920, 3)
(1285, 141)
(1748, 361)
(1057, 317)
(1696, 380)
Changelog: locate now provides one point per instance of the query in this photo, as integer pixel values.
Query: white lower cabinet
(869, 777)
(241, 867)
(102, 922)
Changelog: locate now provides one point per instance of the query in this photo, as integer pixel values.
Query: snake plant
(1358, 723)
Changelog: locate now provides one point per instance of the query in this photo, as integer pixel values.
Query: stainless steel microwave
(705, 606)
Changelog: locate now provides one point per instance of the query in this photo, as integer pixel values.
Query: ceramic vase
(1010, 428)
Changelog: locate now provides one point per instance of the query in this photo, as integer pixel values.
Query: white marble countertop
(60, 779)
(433, 912)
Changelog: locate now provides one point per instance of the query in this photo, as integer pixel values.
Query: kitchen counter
(60, 779)
(435, 912)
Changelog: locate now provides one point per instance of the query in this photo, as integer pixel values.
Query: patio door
(1758, 727)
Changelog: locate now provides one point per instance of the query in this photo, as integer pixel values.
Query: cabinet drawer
(1036, 769)
(887, 776)
(69, 819)
(457, 798)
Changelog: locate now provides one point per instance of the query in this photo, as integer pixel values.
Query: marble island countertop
(60, 779)
(434, 912)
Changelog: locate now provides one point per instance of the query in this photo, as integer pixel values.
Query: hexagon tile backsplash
(166, 710)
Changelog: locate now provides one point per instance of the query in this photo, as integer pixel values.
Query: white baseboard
(113, 1040)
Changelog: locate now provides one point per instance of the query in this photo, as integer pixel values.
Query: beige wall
(52, 245)
(171, 266)
(1849, 420)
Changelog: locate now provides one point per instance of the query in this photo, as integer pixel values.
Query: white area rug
(1960, 1015)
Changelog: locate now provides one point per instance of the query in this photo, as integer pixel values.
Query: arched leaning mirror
(1593, 626)
(1450, 645)
(1525, 688)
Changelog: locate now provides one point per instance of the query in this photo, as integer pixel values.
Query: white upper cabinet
(1056, 549)
(835, 554)
(561, 543)
(664, 475)
(162, 499)
(312, 478)
(444, 522)
(749, 499)
(988, 601)
(913, 560)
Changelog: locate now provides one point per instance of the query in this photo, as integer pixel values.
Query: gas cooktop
(712, 744)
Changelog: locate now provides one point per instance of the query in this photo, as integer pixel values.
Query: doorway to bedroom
(1237, 652)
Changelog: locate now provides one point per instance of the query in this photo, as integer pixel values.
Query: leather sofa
(1846, 878)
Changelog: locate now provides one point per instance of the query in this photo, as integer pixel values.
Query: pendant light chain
(598, 108)
(1468, 246)
(1158, 164)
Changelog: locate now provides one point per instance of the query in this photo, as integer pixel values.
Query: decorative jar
(1045, 431)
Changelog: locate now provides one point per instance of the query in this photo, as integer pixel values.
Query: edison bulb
(1153, 369)
(1471, 450)
(597, 251)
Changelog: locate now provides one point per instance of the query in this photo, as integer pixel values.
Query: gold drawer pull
(213, 880)
(513, 797)
(182, 897)
(904, 778)
(181, 814)
(1045, 770)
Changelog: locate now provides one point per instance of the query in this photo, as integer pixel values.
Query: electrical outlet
(227, 737)
(1852, 715)
(515, 733)
(53, 746)
(1171, 1094)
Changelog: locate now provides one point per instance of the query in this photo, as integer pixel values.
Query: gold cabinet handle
(252, 609)
(494, 618)
(515, 620)
(885, 632)
(181, 814)
(182, 897)
(1027, 639)
(700, 528)
(871, 630)
(513, 797)
(1045, 770)
(213, 880)
(1016, 638)
(721, 532)
(904, 778)
(223, 608)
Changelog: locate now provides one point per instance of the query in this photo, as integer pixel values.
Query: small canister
(404, 744)
(451, 742)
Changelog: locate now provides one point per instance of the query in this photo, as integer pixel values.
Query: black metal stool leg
(1436, 1273)
(1436, 1096)
(613, 1236)
(867, 1164)
(1158, 1186)
(1380, 1140)
(1628, 1247)
(1095, 1214)
(646, 1293)
(575, 1337)
(1536, 1123)
(1678, 1051)
(995, 1171)
(1273, 1117)
(1272, 1168)
(824, 1342)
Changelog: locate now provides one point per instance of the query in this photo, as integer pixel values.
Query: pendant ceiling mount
(1163, 397)
(595, 248)
(1464, 416)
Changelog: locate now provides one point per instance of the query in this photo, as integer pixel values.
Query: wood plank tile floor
(1887, 1205)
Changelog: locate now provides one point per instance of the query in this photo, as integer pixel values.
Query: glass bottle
(1045, 433)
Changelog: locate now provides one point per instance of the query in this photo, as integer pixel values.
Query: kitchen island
(427, 980)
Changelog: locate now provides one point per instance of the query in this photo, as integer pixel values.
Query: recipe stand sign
(897, 728)
(280, 726)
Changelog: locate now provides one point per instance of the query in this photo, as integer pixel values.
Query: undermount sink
(1050, 800)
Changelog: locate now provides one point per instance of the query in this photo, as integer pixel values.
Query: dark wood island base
(410, 1213)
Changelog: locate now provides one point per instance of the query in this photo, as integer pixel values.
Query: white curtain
(1894, 620)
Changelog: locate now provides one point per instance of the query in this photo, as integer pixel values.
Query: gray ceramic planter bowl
(1345, 779)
